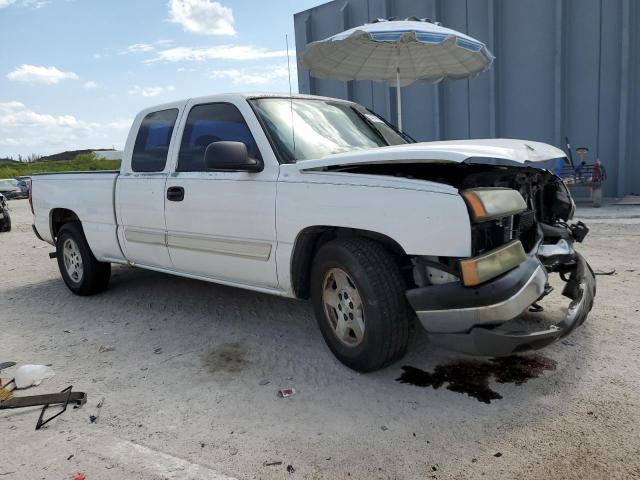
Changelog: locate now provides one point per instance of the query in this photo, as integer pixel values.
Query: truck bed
(91, 196)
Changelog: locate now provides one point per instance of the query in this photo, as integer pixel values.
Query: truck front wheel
(359, 300)
(83, 274)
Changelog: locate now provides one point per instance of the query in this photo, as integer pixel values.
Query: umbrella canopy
(400, 51)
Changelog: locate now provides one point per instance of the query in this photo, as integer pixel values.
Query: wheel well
(311, 239)
(60, 217)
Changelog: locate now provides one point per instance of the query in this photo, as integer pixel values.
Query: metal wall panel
(562, 68)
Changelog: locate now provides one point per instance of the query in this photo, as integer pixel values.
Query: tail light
(30, 189)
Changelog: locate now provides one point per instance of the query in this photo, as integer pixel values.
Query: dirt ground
(190, 386)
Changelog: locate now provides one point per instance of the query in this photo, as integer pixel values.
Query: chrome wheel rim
(72, 260)
(343, 307)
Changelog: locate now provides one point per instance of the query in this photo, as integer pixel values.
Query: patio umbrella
(400, 51)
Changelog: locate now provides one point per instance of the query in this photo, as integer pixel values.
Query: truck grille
(486, 236)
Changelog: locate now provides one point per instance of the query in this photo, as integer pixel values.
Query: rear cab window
(152, 141)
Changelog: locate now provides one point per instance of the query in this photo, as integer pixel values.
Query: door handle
(175, 194)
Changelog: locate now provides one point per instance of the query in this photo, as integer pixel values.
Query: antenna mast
(293, 131)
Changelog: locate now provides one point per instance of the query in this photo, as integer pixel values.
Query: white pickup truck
(312, 197)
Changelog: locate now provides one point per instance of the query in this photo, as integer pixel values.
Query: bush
(81, 163)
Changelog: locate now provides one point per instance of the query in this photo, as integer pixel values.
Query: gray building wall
(563, 67)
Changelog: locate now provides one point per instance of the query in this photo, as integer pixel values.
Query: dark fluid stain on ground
(228, 357)
(472, 376)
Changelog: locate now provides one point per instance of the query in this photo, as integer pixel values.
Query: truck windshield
(322, 127)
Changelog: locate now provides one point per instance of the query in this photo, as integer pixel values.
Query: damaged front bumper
(475, 320)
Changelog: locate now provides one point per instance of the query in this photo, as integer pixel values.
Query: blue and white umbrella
(400, 51)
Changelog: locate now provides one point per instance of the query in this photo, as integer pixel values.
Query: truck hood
(457, 151)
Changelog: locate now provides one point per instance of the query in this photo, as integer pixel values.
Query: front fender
(420, 220)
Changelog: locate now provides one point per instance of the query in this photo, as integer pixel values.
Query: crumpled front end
(477, 320)
(520, 237)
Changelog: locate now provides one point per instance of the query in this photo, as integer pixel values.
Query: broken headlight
(491, 203)
(491, 264)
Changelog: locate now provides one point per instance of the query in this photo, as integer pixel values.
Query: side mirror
(230, 156)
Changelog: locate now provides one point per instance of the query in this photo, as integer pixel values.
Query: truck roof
(238, 96)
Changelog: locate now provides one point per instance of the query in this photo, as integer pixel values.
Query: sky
(73, 73)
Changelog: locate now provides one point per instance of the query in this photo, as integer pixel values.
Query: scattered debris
(63, 398)
(233, 451)
(472, 376)
(474, 460)
(32, 375)
(286, 392)
(94, 418)
(5, 365)
(497, 455)
(609, 272)
(202, 444)
(264, 381)
(536, 308)
(158, 350)
(290, 469)
(6, 391)
(272, 464)
(384, 428)
(106, 348)
(78, 476)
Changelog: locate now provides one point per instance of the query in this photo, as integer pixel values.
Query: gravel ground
(190, 386)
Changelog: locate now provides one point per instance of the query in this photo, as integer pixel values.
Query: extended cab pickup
(312, 197)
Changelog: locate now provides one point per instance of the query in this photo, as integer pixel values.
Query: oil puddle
(472, 376)
(228, 357)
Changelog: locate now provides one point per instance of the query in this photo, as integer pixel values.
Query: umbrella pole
(398, 99)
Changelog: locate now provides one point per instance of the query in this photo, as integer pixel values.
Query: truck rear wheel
(83, 274)
(359, 300)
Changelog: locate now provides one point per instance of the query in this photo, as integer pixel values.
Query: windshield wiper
(371, 125)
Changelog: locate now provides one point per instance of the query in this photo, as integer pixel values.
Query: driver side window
(208, 123)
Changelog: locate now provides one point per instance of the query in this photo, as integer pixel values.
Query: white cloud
(25, 131)
(144, 47)
(150, 91)
(24, 3)
(202, 16)
(89, 85)
(121, 124)
(261, 76)
(218, 52)
(36, 74)
(16, 114)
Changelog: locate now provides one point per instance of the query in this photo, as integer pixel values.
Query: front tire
(358, 295)
(83, 274)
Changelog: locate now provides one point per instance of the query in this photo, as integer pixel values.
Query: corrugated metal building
(563, 68)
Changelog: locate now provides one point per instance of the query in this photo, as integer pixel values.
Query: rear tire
(83, 274)
(358, 295)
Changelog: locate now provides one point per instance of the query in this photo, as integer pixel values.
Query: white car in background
(312, 197)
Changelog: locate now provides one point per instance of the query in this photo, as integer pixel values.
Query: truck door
(221, 225)
(140, 189)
